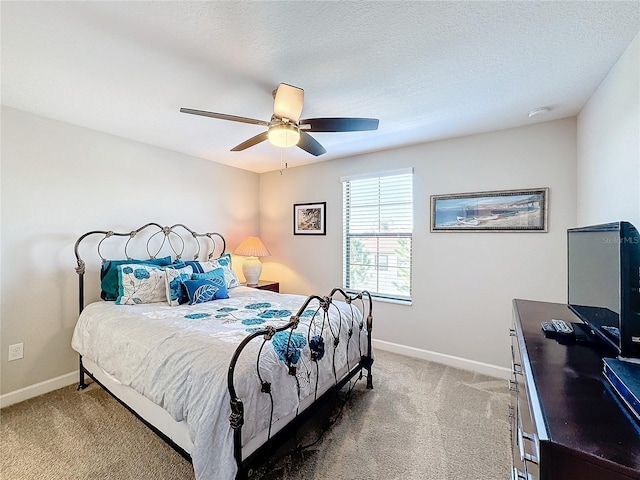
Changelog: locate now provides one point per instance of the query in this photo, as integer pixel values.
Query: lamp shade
(252, 247)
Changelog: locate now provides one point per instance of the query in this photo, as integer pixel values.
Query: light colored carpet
(422, 421)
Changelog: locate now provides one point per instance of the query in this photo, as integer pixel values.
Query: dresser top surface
(579, 409)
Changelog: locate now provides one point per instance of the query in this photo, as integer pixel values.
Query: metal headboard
(171, 239)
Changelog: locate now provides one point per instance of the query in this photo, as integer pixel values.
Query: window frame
(347, 237)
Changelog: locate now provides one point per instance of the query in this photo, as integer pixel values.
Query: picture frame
(523, 210)
(310, 218)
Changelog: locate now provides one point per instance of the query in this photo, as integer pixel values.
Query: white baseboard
(450, 360)
(37, 389)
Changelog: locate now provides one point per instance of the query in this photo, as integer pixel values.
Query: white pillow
(141, 284)
(230, 277)
(173, 284)
(223, 262)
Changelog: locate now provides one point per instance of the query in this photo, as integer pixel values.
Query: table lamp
(252, 248)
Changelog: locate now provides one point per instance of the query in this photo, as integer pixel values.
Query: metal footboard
(316, 346)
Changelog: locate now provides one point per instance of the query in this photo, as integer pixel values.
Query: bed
(220, 371)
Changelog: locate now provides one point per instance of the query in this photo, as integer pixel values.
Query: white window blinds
(378, 231)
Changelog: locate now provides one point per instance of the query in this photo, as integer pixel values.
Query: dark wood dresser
(566, 423)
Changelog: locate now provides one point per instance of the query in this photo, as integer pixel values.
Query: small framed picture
(310, 218)
(496, 211)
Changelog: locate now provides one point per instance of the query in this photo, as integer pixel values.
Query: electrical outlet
(16, 351)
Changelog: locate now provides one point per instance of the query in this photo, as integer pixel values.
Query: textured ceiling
(427, 70)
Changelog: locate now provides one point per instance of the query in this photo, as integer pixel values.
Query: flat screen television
(604, 283)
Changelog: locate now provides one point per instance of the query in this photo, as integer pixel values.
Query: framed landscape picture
(310, 218)
(496, 211)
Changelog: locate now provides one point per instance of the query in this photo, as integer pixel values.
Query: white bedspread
(178, 357)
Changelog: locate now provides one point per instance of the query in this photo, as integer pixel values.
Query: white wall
(609, 146)
(59, 181)
(463, 282)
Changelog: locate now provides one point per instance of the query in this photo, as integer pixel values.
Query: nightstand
(266, 285)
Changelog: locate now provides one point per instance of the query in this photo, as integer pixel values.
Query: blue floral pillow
(174, 279)
(205, 290)
(109, 274)
(223, 262)
(230, 277)
(140, 283)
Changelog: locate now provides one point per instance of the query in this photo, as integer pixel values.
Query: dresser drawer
(524, 437)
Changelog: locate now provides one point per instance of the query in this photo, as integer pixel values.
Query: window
(383, 262)
(378, 231)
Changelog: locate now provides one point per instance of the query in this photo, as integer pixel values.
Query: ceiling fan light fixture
(284, 136)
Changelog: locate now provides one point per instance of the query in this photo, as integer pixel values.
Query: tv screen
(603, 278)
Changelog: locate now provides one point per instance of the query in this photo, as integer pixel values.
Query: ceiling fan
(285, 129)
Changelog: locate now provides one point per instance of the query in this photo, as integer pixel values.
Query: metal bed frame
(212, 245)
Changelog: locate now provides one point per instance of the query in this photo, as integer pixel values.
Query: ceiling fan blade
(224, 116)
(288, 101)
(340, 124)
(310, 144)
(261, 137)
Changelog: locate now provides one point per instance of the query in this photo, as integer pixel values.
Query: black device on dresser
(604, 283)
(604, 292)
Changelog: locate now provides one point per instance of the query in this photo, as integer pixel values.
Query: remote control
(548, 328)
(562, 327)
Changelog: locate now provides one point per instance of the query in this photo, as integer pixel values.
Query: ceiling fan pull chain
(286, 164)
